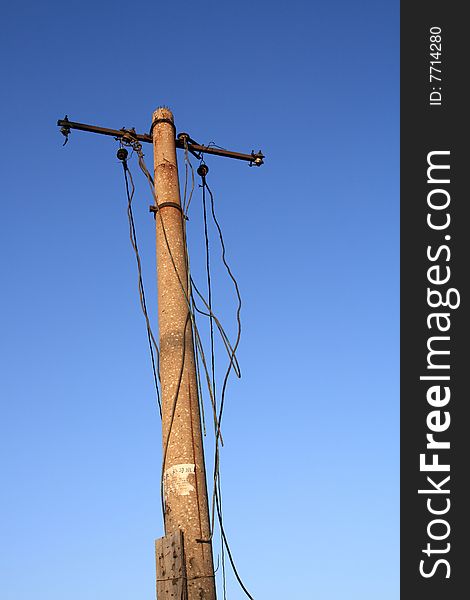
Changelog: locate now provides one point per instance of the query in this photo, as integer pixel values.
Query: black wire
(223, 335)
(232, 355)
(173, 411)
(237, 290)
(229, 553)
(209, 301)
(190, 315)
(199, 383)
(232, 365)
(133, 236)
(217, 488)
(224, 577)
(185, 207)
(187, 162)
(217, 494)
(209, 290)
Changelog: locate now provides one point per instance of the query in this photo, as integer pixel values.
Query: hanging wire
(229, 552)
(233, 364)
(173, 412)
(188, 167)
(228, 346)
(233, 361)
(138, 148)
(203, 171)
(224, 575)
(209, 287)
(198, 347)
(133, 237)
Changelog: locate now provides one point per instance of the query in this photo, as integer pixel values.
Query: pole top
(163, 112)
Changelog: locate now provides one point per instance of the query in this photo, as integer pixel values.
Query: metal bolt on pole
(184, 479)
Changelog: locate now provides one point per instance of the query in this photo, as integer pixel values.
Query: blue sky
(310, 464)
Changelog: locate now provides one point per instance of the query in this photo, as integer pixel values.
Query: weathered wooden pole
(184, 478)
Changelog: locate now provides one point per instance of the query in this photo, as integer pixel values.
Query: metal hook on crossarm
(65, 129)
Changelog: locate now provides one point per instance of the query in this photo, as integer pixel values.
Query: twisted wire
(143, 303)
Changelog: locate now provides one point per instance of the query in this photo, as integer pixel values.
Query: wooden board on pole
(171, 575)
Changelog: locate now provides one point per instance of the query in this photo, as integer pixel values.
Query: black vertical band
(435, 315)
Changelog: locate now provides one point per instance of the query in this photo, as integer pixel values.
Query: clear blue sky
(310, 464)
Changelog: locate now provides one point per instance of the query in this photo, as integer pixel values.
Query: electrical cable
(173, 412)
(217, 496)
(138, 148)
(237, 290)
(209, 287)
(133, 237)
(198, 347)
(229, 553)
(189, 165)
(224, 576)
(230, 350)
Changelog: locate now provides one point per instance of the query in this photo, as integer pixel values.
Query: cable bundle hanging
(233, 364)
(122, 156)
(177, 317)
(191, 297)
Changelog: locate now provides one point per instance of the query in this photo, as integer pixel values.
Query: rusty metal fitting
(154, 209)
(183, 136)
(161, 120)
(65, 129)
(257, 158)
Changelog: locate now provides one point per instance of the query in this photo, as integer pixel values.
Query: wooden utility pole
(184, 478)
(185, 568)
